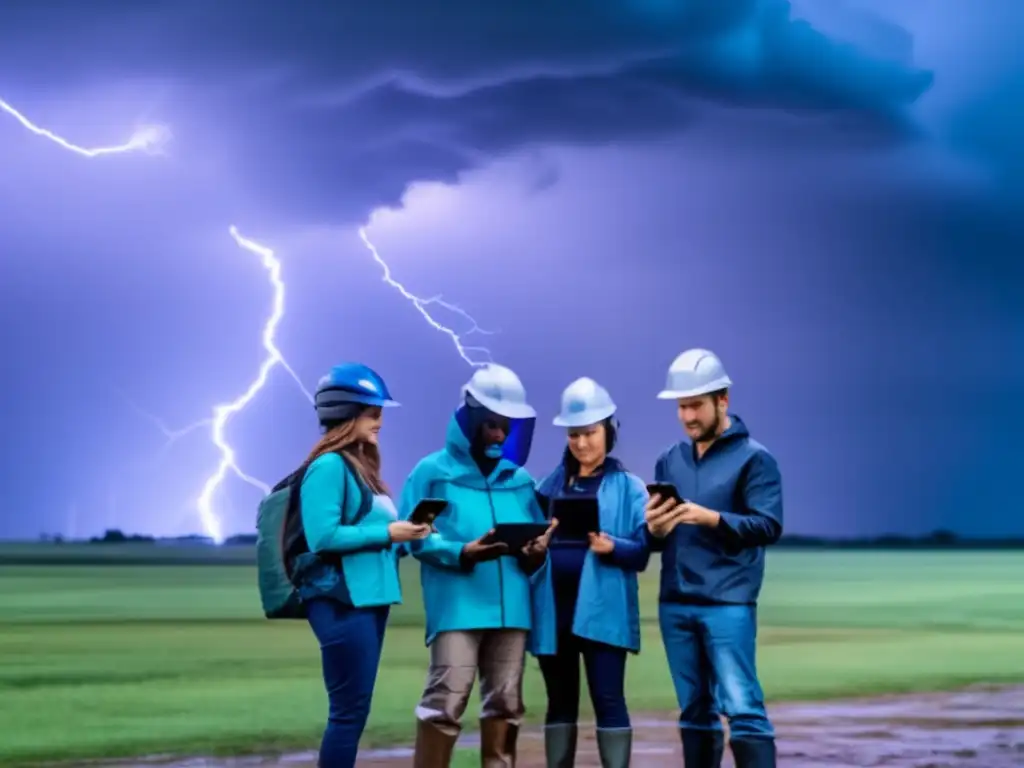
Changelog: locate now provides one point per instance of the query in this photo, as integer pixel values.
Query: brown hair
(365, 457)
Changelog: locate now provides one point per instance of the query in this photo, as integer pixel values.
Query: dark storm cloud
(336, 108)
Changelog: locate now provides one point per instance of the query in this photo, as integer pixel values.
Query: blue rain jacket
(488, 595)
(608, 603)
(738, 478)
(355, 564)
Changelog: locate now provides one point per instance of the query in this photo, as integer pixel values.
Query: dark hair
(570, 463)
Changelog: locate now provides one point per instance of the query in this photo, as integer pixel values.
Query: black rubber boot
(615, 747)
(560, 745)
(753, 753)
(702, 749)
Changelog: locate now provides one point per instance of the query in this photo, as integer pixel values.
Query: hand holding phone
(427, 510)
(663, 509)
(665, 491)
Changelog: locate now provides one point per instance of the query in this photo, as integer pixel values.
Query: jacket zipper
(501, 569)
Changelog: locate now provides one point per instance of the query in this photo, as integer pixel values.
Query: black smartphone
(577, 516)
(665, 490)
(517, 535)
(427, 510)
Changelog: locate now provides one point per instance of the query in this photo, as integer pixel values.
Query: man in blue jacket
(713, 549)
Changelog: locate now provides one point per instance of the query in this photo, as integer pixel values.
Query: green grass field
(103, 660)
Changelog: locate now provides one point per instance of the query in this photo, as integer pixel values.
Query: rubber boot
(702, 748)
(434, 745)
(615, 747)
(560, 745)
(753, 753)
(498, 743)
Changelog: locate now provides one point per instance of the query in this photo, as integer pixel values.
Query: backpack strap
(365, 495)
(293, 536)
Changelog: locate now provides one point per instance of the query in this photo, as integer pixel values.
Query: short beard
(711, 432)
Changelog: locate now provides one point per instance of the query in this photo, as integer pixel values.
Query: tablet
(427, 511)
(577, 516)
(518, 535)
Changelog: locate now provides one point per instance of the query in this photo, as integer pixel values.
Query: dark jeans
(350, 643)
(711, 651)
(606, 679)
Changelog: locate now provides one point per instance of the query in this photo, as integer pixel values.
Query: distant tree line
(117, 536)
(939, 539)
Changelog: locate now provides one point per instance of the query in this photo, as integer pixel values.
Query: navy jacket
(738, 478)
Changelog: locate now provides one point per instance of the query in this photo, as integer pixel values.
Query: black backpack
(280, 539)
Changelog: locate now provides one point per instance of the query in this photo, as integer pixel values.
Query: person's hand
(537, 548)
(661, 516)
(532, 556)
(402, 531)
(601, 543)
(695, 514)
(484, 548)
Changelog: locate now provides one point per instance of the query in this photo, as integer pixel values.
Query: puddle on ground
(974, 728)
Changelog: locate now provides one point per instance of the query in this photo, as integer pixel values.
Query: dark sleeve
(760, 522)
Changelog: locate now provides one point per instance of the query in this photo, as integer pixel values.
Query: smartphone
(665, 490)
(427, 510)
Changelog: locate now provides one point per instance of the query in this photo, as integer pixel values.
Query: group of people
(559, 598)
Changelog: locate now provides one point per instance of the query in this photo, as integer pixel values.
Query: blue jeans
(711, 651)
(606, 679)
(350, 644)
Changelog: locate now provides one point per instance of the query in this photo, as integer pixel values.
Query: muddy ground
(975, 728)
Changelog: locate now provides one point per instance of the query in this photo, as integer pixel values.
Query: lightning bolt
(147, 138)
(151, 139)
(172, 435)
(222, 413)
(421, 305)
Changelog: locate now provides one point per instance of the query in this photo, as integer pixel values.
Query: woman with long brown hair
(348, 575)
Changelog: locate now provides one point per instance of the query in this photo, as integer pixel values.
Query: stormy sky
(829, 194)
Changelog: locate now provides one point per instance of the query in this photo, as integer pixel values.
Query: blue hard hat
(500, 391)
(584, 402)
(695, 372)
(346, 385)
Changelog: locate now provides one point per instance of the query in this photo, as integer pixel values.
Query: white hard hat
(500, 391)
(695, 372)
(584, 402)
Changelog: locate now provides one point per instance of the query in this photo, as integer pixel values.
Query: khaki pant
(455, 657)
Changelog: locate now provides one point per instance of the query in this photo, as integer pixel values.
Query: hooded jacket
(459, 596)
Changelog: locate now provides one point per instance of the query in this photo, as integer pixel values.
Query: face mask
(493, 451)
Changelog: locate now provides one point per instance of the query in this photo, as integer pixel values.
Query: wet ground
(975, 728)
